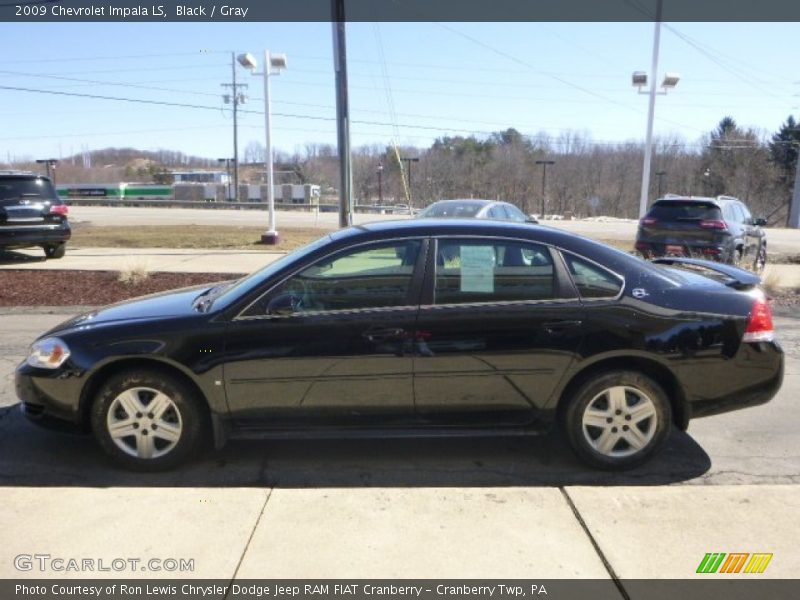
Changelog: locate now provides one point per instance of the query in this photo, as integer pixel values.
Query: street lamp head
(248, 61)
(277, 61)
(639, 79)
(670, 80)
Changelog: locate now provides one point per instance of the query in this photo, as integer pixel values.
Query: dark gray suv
(32, 214)
(720, 229)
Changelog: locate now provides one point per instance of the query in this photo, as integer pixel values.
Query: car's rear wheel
(618, 420)
(760, 260)
(55, 250)
(147, 420)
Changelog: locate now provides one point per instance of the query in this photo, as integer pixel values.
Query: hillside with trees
(587, 178)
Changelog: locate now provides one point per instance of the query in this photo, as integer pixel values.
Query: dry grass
(771, 281)
(134, 274)
(188, 236)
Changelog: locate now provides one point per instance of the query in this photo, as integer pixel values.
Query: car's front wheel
(147, 420)
(618, 420)
(55, 250)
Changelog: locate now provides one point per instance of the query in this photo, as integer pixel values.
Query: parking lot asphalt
(780, 240)
(493, 507)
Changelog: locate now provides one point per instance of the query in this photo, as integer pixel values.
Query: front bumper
(36, 390)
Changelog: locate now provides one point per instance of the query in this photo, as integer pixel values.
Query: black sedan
(417, 328)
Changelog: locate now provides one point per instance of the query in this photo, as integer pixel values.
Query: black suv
(720, 229)
(32, 214)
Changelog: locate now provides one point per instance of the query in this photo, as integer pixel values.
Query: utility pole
(227, 162)
(794, 207)
(380, 184)
(342, 114)
(236, 98)
(651, 109)
(544, 164)
(408, 162)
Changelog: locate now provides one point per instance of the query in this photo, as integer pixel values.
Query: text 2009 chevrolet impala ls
(414, 328)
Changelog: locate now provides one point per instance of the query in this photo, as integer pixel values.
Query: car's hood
(156, 306)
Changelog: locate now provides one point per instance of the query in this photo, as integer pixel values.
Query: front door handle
(561, 326)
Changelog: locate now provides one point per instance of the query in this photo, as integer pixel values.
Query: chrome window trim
(552, 248)
(241, 316)
(549, 247)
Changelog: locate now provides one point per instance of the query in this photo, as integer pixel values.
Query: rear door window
(469, 271)
(592, 280)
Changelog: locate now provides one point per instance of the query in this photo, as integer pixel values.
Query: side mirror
(284, 304)
(760, 222)
(531, 220)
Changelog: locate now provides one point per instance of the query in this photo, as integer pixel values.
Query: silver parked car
(476, 209)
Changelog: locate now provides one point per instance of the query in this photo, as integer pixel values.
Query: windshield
(451, 209)
(36, 189)
(226, 296)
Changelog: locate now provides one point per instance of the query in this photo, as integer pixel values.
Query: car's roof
(704, 199)
(478, 201)
(438, 226)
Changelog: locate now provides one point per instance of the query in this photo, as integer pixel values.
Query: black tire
(622, 455)
(760, 261)
(55, 250)
(185, 415)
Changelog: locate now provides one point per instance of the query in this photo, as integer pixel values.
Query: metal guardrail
(211, 205)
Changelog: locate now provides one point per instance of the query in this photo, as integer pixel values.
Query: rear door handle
(559, 326)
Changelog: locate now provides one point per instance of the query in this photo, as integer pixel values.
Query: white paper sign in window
(477, 268)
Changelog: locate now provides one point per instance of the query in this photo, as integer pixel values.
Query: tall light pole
(544, 164)
(48, 163)
(273, 65)
(660, 175)
(639, 80)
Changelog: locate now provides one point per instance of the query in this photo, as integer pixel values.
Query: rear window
(27, 188)
(685, 211)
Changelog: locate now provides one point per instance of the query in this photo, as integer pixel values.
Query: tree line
(585, 179)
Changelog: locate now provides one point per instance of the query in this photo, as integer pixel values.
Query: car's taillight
(713, 251)
(759, 323)
(648, 221)
(713, 224)
(59, 209)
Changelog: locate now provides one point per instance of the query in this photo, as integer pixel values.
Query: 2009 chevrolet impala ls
(415, 328)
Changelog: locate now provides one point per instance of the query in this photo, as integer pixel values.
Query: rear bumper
(762, 366)
(706, 251)
(33, 235)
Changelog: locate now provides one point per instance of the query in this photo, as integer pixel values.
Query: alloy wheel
(619, 421)
(144, 423)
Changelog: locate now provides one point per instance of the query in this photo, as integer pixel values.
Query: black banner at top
(400, 10)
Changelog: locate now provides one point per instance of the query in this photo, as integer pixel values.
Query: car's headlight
(49, 353)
